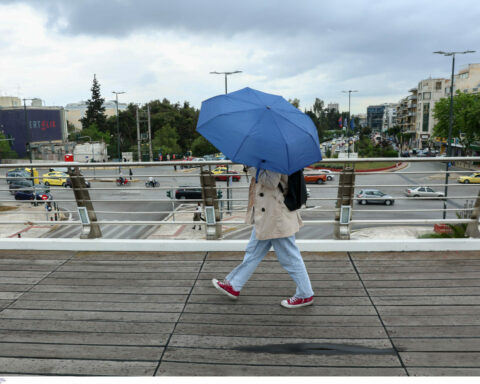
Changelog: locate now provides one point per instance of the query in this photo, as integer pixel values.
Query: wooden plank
(19, 366)
(36, 255)
(314, 310)
(297, 320)
(107, 297)
(27, 262)
(420, 276)
(10, 267)
(426, 300)
(434, 331)
(97, 256)
(422, 283)
(453, 320)
(21, 274)
(20, 280)
(427, 371)
(98, 306)
(280, 331)
(274, 300)
(199, 341)
(414, 255)
(5, 303)
(219, 356)
(126, 275)
(416, 263)
(130, 269)
(75, 351)
(10, 295)
(134, 263)
(111, 289)
(187, 369)
(310, 263)
(432, 310)
(441, 359)
(41, 314)
(285, 291)
(117, 283)
(419, 270)
(15, 287)
(448, 291)
(437, 344)
(87, 338)
(277, 268)
(85, 326)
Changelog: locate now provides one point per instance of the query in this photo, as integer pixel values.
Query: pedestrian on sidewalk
(197, 216)
(131, 173)
(274, 225)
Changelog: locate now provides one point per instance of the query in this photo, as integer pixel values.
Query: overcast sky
(153, 49)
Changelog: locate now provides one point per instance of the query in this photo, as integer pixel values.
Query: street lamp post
(348, 122)
(450, 123)
(226, 91)
(118, 124)
(226, 74)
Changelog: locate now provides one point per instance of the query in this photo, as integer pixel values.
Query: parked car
(423, 192)
(374, 196)
(315, 178)
(19, 184)
(37, 194)
(187, 192)
(70, 185)
(222, 175)
(17, 174)
(55, 178)
(198, 161)
(474, 178)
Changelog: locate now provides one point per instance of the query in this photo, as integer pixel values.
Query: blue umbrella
(260, 130)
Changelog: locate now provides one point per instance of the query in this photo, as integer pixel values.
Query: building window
(419, 96)
(463, 75)
(426, 115)
(475, 90)
(438, 85)
(427, 95)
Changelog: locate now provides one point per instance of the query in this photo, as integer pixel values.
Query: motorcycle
(122, 181)
(153, 184)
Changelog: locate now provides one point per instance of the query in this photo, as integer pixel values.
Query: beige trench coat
(267, 211)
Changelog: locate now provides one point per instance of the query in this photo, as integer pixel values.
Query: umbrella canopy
(260, 130)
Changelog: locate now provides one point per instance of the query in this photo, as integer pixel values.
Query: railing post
(472, 228)
(209, 193)
(346, 186)
(82, 196)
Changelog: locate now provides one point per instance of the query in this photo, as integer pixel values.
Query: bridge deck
(145, 314)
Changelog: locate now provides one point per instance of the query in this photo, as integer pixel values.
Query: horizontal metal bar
(414, 221)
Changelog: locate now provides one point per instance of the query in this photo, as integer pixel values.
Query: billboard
(42, 125)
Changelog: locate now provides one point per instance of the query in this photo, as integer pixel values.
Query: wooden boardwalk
(146, 314)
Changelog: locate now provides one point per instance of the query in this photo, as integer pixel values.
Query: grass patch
(358, 166)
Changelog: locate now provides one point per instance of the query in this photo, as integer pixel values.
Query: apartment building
(467, 80)
(375, 117)
(333, 106)
(76, 111)
(389, 116)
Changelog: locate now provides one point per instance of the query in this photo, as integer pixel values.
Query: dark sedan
(194, 193)
(37, 195)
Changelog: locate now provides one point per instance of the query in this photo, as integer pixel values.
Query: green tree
(6, 151)
(95, 113)
(466, 118)
(202, 146)
(295, 102)
(166, 140)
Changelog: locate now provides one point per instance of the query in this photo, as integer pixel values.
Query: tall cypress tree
(95, 113)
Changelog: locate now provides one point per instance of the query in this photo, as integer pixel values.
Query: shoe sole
(215, 284)
(286, 305)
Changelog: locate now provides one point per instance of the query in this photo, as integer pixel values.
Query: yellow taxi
(219, 170)
(55, 178)
(474, 178)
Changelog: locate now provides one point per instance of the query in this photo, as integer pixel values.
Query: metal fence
(184, 184)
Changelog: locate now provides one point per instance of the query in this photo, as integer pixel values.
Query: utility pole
(450, 123)
(139, 140)
(149, 133)
(348, 122)
(226, 74)
(118, 126)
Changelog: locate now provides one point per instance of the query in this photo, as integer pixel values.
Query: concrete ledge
(119, 245)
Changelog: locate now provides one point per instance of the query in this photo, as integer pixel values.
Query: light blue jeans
(288, 255)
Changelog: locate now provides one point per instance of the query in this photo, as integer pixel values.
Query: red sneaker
(296, 302)
(226, 288)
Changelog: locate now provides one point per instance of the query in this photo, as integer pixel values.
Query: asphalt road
(134, 202)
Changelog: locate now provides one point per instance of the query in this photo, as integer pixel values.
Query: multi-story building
(375, 117)
(10, 101)
(333, 106)
(389, 116)
(429, 92)
(76, 111)
(467, 80)
(362, 119)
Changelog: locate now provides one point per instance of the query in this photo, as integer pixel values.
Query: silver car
(374, 196)
(330, 174)
(423, 192)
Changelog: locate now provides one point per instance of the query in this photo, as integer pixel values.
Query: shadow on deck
(146, 314)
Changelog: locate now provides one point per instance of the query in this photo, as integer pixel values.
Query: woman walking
(274, 225)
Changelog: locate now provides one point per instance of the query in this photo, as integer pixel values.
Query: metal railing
(334, 203)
